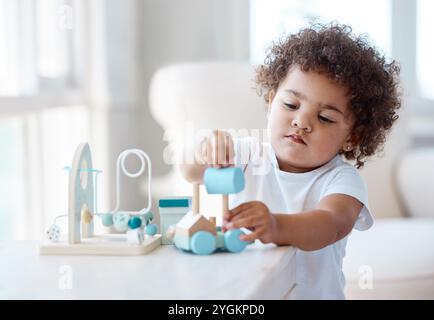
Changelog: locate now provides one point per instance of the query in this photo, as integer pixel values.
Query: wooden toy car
(194, 232)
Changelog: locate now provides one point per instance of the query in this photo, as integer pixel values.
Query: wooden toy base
(107, 245)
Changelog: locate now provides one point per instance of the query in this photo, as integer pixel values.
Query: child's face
(310, 106)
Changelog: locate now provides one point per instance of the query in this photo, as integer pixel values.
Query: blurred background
(80, 70)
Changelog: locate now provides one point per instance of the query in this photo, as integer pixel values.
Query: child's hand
(254, 216)
(216, 150)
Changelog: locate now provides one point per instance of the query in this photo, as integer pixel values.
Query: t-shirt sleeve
(348, 181)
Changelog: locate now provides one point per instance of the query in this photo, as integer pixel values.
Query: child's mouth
(294, 138)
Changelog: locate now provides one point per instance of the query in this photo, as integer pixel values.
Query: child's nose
(301, 122)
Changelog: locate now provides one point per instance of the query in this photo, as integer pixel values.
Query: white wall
(140, 37)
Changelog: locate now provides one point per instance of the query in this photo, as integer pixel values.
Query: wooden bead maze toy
(137, 235)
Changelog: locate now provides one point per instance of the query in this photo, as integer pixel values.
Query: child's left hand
(255, 216)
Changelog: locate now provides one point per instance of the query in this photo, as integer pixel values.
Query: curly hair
(346, 60)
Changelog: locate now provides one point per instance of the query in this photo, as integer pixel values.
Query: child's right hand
(216, 150)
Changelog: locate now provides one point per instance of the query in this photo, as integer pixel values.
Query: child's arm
(330, 221)
(216, 150)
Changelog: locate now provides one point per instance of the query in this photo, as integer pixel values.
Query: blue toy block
(224, 180)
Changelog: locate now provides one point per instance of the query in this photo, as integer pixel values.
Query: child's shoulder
(339, 165)
(342, 173)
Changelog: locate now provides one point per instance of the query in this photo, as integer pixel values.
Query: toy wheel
(233, 242)
(203, 243)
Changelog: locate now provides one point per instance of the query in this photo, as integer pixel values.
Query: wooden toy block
(171, 212)
(192, 223)
(213, 220)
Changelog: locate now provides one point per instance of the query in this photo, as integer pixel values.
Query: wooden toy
(171, 210)
(224, 181)
(81, 239)
(194, 232)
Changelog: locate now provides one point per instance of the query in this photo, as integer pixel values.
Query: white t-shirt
(318, 273)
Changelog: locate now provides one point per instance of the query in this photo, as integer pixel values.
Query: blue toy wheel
(203, 243)
(233, 242)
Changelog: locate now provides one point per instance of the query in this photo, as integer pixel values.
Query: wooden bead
(86, 216)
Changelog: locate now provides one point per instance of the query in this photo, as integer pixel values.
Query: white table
(260, 272)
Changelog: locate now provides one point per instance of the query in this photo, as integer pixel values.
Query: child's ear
(354, 139)
(351, 143)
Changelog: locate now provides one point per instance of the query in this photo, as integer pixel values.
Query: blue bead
(151, 229)
(120, 221)
(107, 219)
(135, 222)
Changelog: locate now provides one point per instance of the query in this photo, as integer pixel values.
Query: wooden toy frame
(81, 238)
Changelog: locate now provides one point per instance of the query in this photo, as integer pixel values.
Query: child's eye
(290, 106)
(324, 119)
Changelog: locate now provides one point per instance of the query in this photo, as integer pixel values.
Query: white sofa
(393, 260)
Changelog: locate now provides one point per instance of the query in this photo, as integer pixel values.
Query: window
(34, 46)
(11, 174)
(425, 48)
(275, 18)
(42, 107)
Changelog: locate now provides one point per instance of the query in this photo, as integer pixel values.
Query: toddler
(330, 96)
